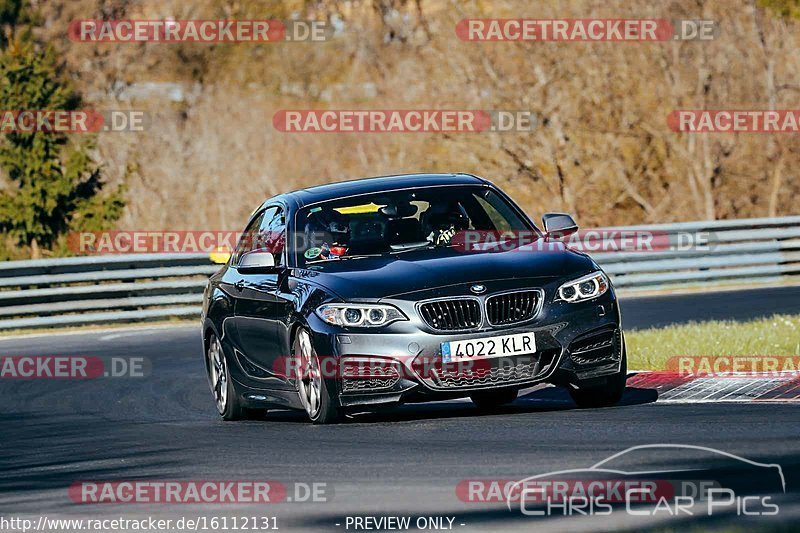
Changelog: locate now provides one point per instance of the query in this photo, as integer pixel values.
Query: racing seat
(368, 237)
(401, 228)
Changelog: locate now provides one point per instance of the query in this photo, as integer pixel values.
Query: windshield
(385, 223)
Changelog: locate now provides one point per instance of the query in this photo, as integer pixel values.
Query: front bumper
(575, 342)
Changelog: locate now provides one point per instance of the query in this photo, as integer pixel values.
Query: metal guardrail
(139, 287)
(109, 289)
(744, 250)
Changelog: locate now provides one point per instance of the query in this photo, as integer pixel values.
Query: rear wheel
(493, 399)
(226, 398)
(606, 393)
(312, 387)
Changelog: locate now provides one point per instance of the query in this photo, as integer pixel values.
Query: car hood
(427, 270)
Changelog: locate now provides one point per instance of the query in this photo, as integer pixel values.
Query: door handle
(239, 285)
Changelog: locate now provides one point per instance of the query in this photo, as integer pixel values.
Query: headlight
(359, 315)
(584, 288)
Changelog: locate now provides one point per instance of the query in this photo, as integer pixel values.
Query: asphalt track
(404, 462)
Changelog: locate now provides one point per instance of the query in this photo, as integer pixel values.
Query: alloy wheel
(218, 374)
(309, 378)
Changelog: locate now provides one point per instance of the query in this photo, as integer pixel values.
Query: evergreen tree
(55, 187)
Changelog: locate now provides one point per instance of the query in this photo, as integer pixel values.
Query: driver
(444, 221)
(326, 231)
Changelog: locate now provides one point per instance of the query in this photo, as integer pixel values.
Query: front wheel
(226, 398)
(320, 405)
(605, 394)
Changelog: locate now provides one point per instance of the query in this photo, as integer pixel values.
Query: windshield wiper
(410, 246)
(362, 256)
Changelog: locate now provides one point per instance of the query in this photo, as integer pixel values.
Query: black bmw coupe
(369, 293)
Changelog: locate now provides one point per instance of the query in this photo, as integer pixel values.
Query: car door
(256, 309)
(232, 282)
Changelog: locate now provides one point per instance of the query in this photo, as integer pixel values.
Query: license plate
(487, 347)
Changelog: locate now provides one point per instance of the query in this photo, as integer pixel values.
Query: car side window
(273, 234)
(247, 240)
(495, 217)
(498, 213)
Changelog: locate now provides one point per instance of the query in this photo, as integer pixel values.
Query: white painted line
(739, 385)
(98, 331)
(112, 336)
(736, 388)
(767, 386)
(683, 388)
(745, 385)
(726, 387)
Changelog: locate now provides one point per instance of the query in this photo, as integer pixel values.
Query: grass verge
(649, 349)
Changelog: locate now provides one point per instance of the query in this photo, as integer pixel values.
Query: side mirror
(257, 261)
(558, 225)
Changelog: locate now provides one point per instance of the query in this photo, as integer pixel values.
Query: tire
(314, 390)
(607, 393)
(490, 400)
(226, 397)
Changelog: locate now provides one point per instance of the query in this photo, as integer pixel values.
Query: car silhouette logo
(478, 289)
(607, 468)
